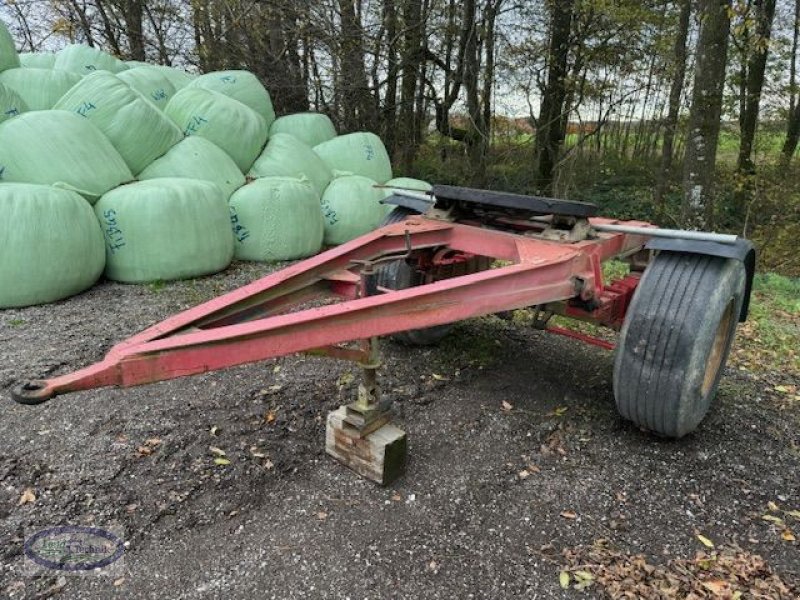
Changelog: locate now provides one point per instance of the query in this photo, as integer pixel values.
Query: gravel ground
(493, 493)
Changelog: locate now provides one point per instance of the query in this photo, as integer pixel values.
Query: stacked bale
(135, 127)
(197, 158)
(39, 88)
(276, 218)
(150, 83)
(37, 60)
(55, 147)
(82, 59)
(9, 59)
(286, 156)
(11, 104)
(360, 153)
(242, 86)
(51, 246)
(165, 229)
(310, 128)
(351, 206)
(236, 128)
(177, 77)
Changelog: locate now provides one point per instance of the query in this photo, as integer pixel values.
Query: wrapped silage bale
(361, 153)
(276, 218)
(242, 86)
(165, 229)
(351, 206)
(177, 76)
(37, 60)
(9, 59)
(39, 88)
(11, 104)
(132, 64)
(51, 246)
(309, 127)
(134, 126)
(150, 83)
(56, 147)
(286, 156)
(197, 158)
(236, 128)
(406, 183)
(82, 59)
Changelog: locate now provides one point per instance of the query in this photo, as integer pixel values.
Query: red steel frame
(254, 322)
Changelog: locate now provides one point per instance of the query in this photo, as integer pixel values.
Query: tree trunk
(550, 130)
(675, 93)
(704, 118)
(411, 62)
(793, 119)
(756, 67)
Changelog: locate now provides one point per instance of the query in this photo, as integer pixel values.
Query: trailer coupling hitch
(32, 392)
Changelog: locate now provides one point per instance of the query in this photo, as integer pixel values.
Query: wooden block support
(379, 455)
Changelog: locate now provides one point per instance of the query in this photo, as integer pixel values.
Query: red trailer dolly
(470, 253)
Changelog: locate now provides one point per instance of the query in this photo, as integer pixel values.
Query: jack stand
(361, 435)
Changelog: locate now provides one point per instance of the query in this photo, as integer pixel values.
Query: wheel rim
(715, 357)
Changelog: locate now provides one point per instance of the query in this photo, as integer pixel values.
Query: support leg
(361, 434)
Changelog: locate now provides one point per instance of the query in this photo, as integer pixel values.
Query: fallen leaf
(438, 377)
(214, 430)
(268, 464)
(772, 506)
(705, 541)
(568, 514)
(270, 417)
(523, 474)
(560, 411)
(397, 498)
(322, 515)
(144, 450)
(152, 442)
(715, 586)
(256, 453)
(793, 513)
(583, 575)
(27, 497)
(787, 536)
(217, 451)
(221, 461)
(773, 519)
(564, 579)
(506, 406)
(119, 582)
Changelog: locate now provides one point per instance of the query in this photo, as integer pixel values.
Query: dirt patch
(515, 447)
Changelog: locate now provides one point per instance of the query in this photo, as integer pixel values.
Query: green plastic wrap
(9, 59)
(310, 128)
(242, 86)
(51, 246)
(361, 153)
(37, 60)
(39, 88)
(150, 83)
(197, 158)
(276, 218)
(286, 156)
(55, 147)
(351, 206)
(236, 128)
(11, 104)
(135, 127)
(165, 229)
(82, 59)
(177, 76)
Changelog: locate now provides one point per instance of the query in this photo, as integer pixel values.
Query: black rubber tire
(399, 275)
(675, 340)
